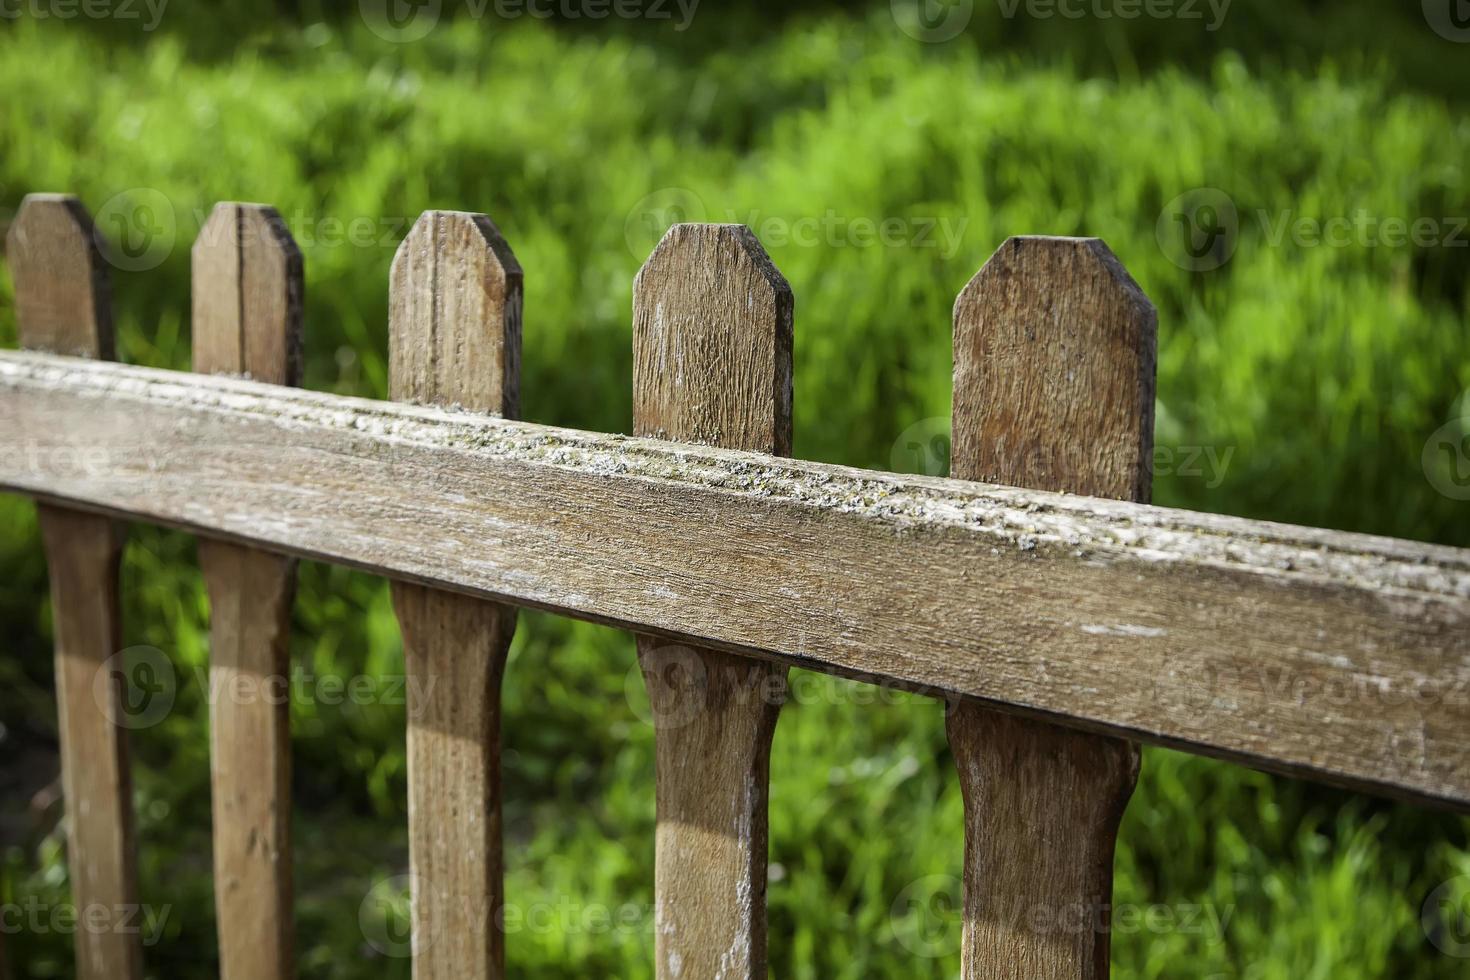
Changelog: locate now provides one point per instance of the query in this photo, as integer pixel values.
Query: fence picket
(247, 301)
(455, 337)
(62, 305)
(712, 339)
(1054, 350)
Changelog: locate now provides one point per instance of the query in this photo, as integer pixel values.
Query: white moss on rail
(1102, 530)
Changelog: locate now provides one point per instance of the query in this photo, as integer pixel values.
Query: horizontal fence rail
(1336, 656)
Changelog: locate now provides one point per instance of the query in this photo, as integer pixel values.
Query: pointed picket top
(710, 304)
(62, 298)
(248, 285)
(455, 315)
(1053, 335)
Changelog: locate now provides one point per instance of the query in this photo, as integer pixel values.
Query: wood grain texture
(62, 298)
(455, 647)
(712, 342)
(455, 334)
(1055, 355)
(712, 330)
(62, 305)
(1342, 657)
(456, 280)
(249, 285)
(247, 302)
(1055, 349)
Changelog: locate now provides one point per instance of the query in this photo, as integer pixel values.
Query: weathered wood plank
(247, 301)
(455, 336)
(712, 320)
(1340, 656)
(62, 305)
(1054, 352)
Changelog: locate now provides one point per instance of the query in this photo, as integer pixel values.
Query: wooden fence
(1068, 629)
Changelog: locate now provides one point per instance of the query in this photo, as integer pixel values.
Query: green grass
(1318, 372)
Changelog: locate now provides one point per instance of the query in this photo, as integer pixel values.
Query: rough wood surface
(62, 305)
(249, 281)
(62, 299)
(712, 322)
(1338, 656)
(247, 300)
(456, 281)
(1054, 351)
(455, 334)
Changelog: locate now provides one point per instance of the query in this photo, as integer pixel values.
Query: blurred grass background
(1315, 374)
